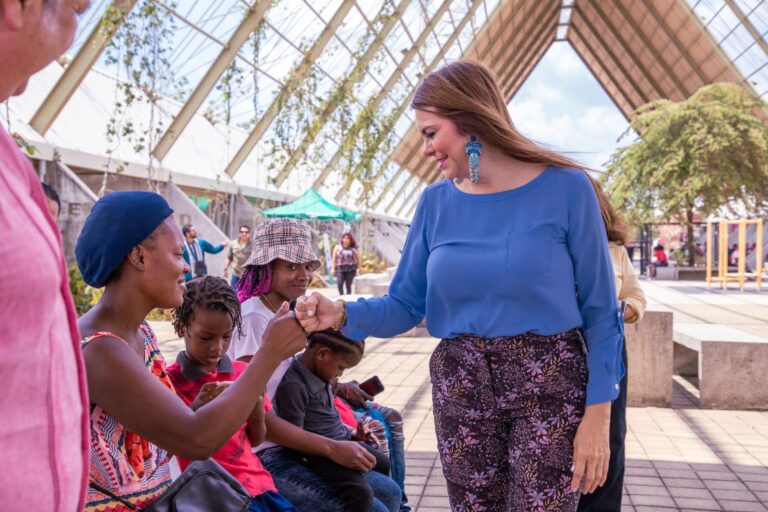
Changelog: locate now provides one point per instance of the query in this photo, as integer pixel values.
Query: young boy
(305, 398)
(206, 320)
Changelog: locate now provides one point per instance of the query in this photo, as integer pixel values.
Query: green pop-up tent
(311, 205)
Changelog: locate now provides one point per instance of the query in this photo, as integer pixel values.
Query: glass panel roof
(740, 28)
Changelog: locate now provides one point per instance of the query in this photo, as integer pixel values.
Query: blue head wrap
(117, 223)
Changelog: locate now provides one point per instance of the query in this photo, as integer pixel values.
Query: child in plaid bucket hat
(276, 241)
(280, 269)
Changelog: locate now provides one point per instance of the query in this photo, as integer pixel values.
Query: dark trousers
(348, 484)
(345, 278)
(608, 497)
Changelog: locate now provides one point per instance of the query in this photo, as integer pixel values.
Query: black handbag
(204, 486)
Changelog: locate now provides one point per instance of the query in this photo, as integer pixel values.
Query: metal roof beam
(531, 62)
(228, 53)
(537, 34)
(297, 75)
(616, 84)
(400, 191)
(341, 92)
(401, 169)
(656, 54)
(672, 37)
(614, 58)
(595, 4)
(404, 104)
(79, 67)
(626, 108)
(411, 197)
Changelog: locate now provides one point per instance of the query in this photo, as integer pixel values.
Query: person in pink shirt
(44, 403)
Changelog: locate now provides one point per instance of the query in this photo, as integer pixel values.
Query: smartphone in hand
(372, 386)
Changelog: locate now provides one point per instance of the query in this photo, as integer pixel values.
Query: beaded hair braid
(255, 282)
(212, 293)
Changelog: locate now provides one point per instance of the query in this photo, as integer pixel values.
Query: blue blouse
(531, 259)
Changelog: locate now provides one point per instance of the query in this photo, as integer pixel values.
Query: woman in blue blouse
(512, 270)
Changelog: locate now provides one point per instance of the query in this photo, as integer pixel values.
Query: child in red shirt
(206, 320)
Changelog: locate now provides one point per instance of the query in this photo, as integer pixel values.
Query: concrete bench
(649, 355)
(731, 365)
(364, 284)
(666, 273)
(675, 273)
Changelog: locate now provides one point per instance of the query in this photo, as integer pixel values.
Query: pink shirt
(44, 403)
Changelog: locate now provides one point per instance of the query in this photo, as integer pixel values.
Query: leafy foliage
(84, 296)
(704, 155)
(700, 154)
(139, 47)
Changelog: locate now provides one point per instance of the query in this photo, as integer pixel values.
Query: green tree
(706, 154)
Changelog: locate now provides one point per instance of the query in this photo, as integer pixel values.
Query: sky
(563, 106)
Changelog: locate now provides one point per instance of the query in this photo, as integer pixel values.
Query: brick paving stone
(757, 486)
(654, 501)
(698, 504)
(742, 506)
(717, 475)
(644, 480)
(434, 501)
(685, 482)
(727, 494)
(688, 492)
(724, 484)
(646, 490)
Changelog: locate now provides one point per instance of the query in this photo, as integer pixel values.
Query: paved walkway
(681, 458)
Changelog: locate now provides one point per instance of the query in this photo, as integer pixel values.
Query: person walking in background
(239, 252)
(492, 260)
(194, 252)
(346, 259)
(44, 404)
(607, 498)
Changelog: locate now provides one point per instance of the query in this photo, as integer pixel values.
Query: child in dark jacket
(305, 398)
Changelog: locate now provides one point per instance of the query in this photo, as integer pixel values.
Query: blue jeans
(396, 442)
(233, 279)
(309, 493)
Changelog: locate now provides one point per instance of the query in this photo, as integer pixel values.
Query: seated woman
(206, 321)
(131, 246)
(280, 269)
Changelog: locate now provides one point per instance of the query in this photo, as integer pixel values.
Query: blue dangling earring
(474, 149)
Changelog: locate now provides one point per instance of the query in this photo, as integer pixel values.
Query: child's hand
(363, 433)
(352, 393)
(283, 336)
(208, 392)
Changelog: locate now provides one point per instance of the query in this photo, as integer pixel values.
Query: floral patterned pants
(506, 412)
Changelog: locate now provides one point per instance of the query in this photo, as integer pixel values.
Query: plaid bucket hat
(287, 239)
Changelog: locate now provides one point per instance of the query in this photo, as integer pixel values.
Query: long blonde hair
(467, 93)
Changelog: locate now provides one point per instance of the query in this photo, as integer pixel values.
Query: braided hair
(255, 281)
(336, 342)
(211, 293)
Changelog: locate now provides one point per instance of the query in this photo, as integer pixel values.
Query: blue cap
(117, 223)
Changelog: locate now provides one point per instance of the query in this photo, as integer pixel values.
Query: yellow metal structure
(724, 276)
